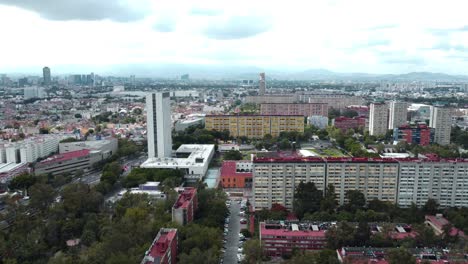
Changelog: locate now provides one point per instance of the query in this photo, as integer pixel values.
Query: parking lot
(232, 230)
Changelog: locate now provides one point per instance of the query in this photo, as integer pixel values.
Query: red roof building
(437, 223)
(236, 174)
(346, 123)
(419, 134)
(183, 211)
(279, 238)
(66, 162)
(163, 250)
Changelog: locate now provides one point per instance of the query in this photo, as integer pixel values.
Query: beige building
(398, 114)
(255, 126)
(314, 109)
(378, 119)
(441, 121)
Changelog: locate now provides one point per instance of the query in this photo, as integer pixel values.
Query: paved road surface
(230, 256)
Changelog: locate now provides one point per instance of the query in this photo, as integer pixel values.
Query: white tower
(441, 121)
(158, 125)
(378, 118)
(398, 114)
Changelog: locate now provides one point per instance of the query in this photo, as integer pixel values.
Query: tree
(356, 200)
(431, 206)
(341, 235)
(78, 115)
(253, 251)
(329, 202)
(233, 155)
(21, 182)
(400, 256)
(363, 234)
(42, 195)
(307, 199)
(350, 113)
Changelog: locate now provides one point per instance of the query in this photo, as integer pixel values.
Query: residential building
(163, 250)
(438, 222)
(335, 101)
(271, 98)
(362, 110)
(398, 114)
(305, 109)
(280, 238)
(158, 110)
(46, 75)
(236, 174)
(318, 121)
(347, 123)
(262, 84)
(192, 159)
(378, 118)
(441, 120)
(419, 134)
(445, 180)
(183, 211)
(255, 126)
(34, 92)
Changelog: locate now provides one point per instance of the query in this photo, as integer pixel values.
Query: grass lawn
(333, 152)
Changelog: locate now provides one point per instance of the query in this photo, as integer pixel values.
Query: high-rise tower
(158, 123)
(262, 84)
(398, 114)
(441, 121)
(46, 75)
(378, 116)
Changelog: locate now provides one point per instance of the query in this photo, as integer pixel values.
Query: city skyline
(375, 37)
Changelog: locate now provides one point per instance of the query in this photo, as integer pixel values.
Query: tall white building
(378, 117)
(441, 121)
(158, 122)
(34, 92)
(398, 114)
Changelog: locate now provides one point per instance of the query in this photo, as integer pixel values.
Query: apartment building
(419, 134)
(163, 250)
(236, 174)
(346, 123)
(445, 180)
(255, 126)
(441, 121)
(336, 101)
(183, 211)
(310, 109)
(378, 119)
(398, 114)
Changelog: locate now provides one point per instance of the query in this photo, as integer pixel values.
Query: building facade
(183, 211)
(310, 109)
(255, 126)
(163, 250)
(318, 121)
(346, 123)
(236, 174)
(441, 121)
(378, 117)
(398, 114)
(67, 162)
(419, 134)
(158, 110)
(262, 84)
(46, 75)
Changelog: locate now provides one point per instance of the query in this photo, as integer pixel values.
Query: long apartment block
(255, 126)
(305, 109)
(401, 181)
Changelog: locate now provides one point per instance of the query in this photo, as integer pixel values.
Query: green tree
(356, 200)
(253, 251)
(341, 235)
(363, 234)
(400, 256)
(307, 199)
(329, 202)
(22, 182)
(232, 155)
(42, 195)
(431, 206)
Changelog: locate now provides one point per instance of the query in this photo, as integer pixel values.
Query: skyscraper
(398, 114)
(441, 121)
(46, 75)
(158, 122)
(378, 118)
(262, 84)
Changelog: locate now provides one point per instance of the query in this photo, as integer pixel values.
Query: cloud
(445, 46)
(237, 27)
(197, 11)
(165, 25)
(402, 60)
(88, 10)
(383, 27)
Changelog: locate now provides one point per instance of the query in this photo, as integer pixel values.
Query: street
(232, 238)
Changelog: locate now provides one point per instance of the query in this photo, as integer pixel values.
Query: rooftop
(229, 168)
(185, 197)
(160, 245)
(199, 155)
(66, 156)
(293, 229)
(254, 115)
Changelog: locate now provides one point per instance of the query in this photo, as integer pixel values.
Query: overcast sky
(372, 36)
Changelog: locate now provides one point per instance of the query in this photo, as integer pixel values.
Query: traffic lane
(232, 238)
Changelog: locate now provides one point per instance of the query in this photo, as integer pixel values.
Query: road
(232, 238)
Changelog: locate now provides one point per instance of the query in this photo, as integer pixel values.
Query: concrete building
(419, 134)
(163, 250)
(398, 114)
(335, 101)
(318, 121)
(309, 109)
(378, 119)
(271, 98)
(280, 238)
(46, 75)
(441, 121)
(34, 92)
(67, 162)
(192, 159)
(158, 110)
(181, 125)
(104, 147)
(255, 126)
(262, 84)
(347, 123)
(236, 174)
(183, 211)
(10, 170)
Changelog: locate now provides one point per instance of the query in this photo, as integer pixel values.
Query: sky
(370, 36)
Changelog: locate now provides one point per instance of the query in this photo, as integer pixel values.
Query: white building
(441, 120)
(34, 92)
(318, 121)
(193, 159)
(398, 114)
(183, 124)
(378, 118)
(158, 124)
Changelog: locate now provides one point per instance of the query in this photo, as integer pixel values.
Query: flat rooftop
(297, 229)
(160, 244)
(185, 197)
(198, 157)
(7, 167)
(65, 156)
(229, 168)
